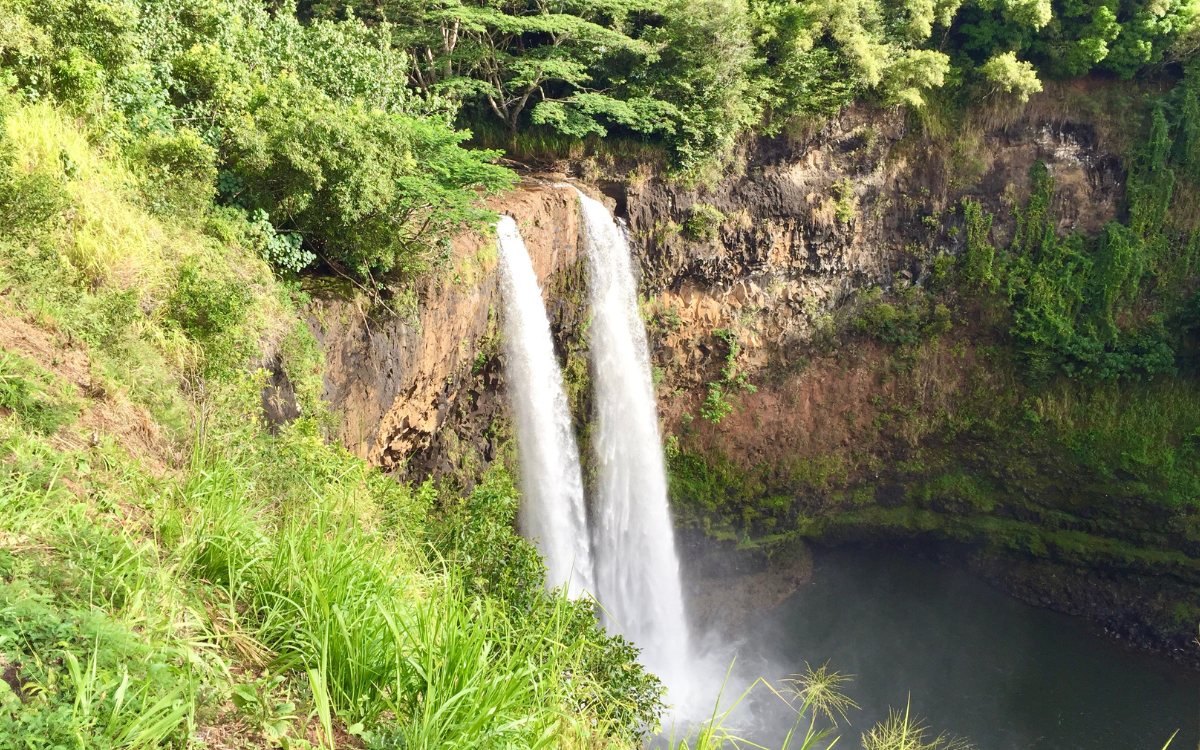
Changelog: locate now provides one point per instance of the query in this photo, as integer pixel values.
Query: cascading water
(553, 513)
(637, 570)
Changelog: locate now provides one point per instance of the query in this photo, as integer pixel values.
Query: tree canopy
(310, 128)
(692, 75)
(343, 122)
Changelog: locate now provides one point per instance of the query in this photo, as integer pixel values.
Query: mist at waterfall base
(553, 512)
(969, 660)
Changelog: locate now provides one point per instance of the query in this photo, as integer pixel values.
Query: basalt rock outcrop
(862, 202)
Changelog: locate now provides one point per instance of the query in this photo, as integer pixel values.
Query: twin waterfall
(624, 555)
(637, 570)
(553, 512)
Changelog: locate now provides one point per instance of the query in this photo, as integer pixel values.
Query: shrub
(204, 306)
(1067, 294)
(703, 222)
(716, 404)
(285, 251)
(178, 168)
(373, 191)
(979, 258)
(26, 394)
(847, 203)
(1006, 73)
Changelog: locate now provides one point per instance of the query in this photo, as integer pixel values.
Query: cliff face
(752, 287)
(861, 203)
(416, 382)
(858, 204)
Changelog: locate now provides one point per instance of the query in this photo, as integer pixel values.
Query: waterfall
(552, 513)
(637, 569)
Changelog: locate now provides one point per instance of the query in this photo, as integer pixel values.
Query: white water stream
(637, 569)
(553, 514)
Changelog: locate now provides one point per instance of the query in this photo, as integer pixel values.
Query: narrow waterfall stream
(637, 569)
(553, 514)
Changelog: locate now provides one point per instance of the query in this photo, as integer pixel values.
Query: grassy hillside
(175, 572)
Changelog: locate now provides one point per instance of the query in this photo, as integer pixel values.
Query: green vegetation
(818, 701)
(334, 117)
(703, 223)
(1033, 401)
(692, 77)
(172, 568)
(1114, 306)
(27, 392)
(717, 404)
(305, 135)
(914, 316)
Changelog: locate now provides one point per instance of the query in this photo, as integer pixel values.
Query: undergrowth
(175, 572)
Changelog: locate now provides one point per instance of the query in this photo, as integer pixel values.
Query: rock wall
(862, 202)
(406, 377)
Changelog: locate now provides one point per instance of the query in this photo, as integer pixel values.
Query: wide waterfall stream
(553, 513)
(637, 568)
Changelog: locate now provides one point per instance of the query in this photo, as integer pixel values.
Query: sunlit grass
(903, 731)
(823, 691)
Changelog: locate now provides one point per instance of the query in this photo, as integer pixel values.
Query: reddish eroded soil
(829, 408)
(104, 413)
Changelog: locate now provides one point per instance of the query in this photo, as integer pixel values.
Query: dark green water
(973, 662)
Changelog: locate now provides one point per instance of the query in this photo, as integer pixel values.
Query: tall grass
(257, 563)
(1144, 430)
(815, 697)
(110, 238)
(311, 581)
(105, 651)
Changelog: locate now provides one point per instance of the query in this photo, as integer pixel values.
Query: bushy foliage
(1107, 307)
(179, 170)
(692, 76)
(1065, 39)
(1067, 295)
(915, 315)
(367, 188)
(979, 270)
(205, 306)
(312, 123)
(1012, 76)
(703, 222)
